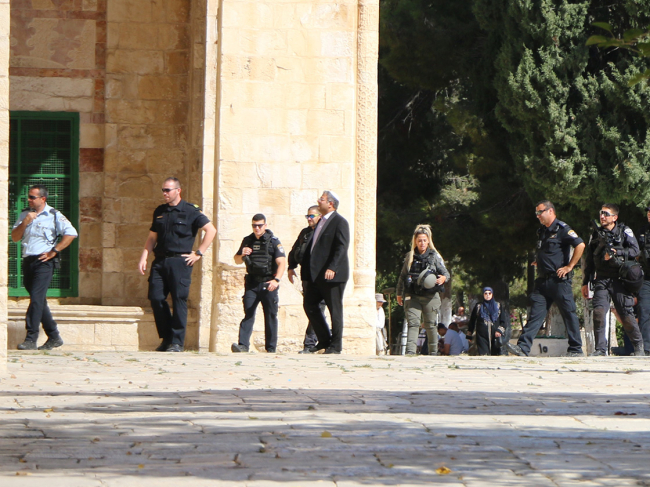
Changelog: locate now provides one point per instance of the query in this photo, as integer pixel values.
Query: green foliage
(578, 134)
(488, 106)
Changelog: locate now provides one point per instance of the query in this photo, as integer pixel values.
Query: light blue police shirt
(41, 234)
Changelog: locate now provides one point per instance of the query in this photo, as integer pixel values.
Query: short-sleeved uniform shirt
(276, 249)
(554, 246)
(42, 233)
(177, 227)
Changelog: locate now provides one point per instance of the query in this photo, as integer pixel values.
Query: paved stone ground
(155, 419)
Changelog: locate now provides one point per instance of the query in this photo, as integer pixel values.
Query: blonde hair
(420, 229)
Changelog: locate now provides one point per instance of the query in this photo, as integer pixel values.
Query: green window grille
(44, 149)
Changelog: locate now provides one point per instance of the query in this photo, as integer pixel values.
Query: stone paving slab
(130, 418)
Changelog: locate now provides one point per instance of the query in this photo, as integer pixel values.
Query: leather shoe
(305, 350)
(515, 349)
(333, 351)
(51, 343)
(174, 347)
(163, 346)
(317, 348)
(237, 348)
(271, 350)
(27, 345)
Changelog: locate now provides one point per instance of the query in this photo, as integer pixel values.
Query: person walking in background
(295, 258)
(265, 261)
(490, 322)
(171, 238)
(608, 250)
(40, 227)
(643, 305)
(418, 288)
(327, 269)
(553, 284)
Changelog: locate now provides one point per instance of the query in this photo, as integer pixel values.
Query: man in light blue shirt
(453, 343)
(39, 228)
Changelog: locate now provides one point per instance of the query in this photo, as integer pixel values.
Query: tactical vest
(417, 266)
(259, 263)
(610, 268)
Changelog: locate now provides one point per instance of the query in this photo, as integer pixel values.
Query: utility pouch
(57, 262)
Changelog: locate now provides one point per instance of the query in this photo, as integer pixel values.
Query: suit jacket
(329, 252)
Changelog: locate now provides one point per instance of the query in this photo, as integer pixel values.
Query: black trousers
(623, 302)
(546, 292)
(170, 275)
(644, 313)
(310, 335)
(37, 276)
(332, 294)
(255, 294)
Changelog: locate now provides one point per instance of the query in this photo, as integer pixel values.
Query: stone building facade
(256, 106)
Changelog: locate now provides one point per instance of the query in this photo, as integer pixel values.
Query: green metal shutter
(44, 149)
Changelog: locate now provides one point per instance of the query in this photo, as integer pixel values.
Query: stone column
(4, 175)
(366, 164)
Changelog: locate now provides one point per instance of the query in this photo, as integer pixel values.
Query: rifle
(606, 242)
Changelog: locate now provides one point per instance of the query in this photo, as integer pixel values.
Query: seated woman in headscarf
(491, 324)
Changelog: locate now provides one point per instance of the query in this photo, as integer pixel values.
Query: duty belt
(549, 275)
(172, 254)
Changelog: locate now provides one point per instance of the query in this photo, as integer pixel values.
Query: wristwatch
(198, 252)
(276, 279)
(54, 250)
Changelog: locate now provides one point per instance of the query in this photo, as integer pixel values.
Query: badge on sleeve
(281, 249)
(629, 232)
(573, 234)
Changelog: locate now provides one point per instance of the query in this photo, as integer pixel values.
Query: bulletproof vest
(417, 266)
(259, 262)
(609, 268)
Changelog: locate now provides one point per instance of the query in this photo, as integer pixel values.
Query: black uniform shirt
(276, 251)
(177, 227)
(644, 247)
(553, 247)
(297, 251)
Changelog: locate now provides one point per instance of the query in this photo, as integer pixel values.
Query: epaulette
(561, 223)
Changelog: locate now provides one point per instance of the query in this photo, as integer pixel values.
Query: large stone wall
(4, 174)
(287, 129)
(58, 59)
(256, 105)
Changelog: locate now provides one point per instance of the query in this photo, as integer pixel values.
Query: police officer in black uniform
(605, 256)
(171, 238)
(265, 262)
(643, 305)
(553, 284)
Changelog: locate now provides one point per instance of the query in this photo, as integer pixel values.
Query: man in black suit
(325, 266)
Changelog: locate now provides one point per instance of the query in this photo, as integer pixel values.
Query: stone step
(91, 328)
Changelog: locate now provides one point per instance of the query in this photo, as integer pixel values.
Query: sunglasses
(32, 197)
(605, 213)
(539, 212)
(310, 217)
(258, 225)
(168, 190)
(487, 292)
